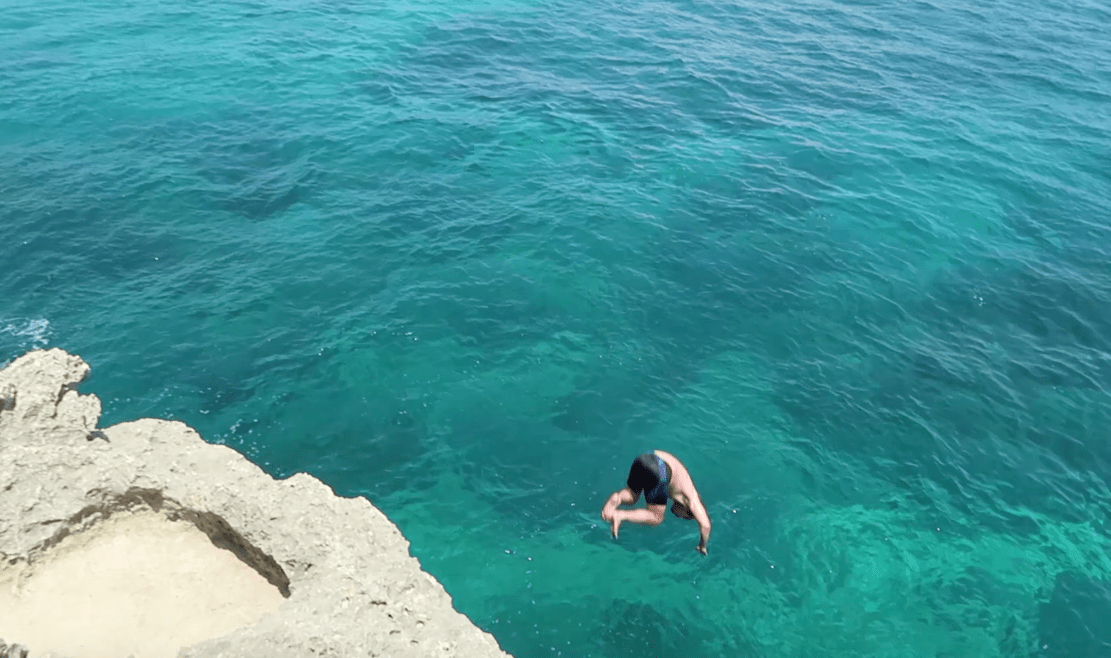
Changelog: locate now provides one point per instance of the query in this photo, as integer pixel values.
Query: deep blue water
(850, 261)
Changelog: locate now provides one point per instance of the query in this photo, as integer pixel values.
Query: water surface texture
(850, 261)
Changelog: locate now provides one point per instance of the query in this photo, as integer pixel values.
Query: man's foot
(616, 526)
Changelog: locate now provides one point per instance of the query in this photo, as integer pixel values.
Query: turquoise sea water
(850, 261)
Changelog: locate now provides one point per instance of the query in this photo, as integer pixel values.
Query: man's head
(682, 511)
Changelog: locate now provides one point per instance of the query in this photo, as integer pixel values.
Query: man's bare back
(659, 475)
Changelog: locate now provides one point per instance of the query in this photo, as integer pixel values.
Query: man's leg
(653, 515)
(625, 496)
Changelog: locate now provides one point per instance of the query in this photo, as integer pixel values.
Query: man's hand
(702, 549)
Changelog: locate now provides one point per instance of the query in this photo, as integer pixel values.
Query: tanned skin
(688, 504)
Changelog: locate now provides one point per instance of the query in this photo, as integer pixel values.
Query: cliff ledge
(340, 578)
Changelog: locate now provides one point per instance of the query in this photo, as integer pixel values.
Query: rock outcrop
(351, 587)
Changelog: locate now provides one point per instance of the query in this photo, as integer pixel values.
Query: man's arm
(703, 518)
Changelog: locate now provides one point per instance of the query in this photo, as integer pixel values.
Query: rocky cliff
(350, 586)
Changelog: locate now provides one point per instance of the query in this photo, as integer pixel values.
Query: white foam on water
(30, 334)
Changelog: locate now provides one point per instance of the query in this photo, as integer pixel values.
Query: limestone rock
(352, 587)
(12, 650)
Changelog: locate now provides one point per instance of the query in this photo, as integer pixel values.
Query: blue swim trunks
(649, 474)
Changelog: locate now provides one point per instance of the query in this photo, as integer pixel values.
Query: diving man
(659, 475)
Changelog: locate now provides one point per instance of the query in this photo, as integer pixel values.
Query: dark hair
(682, 511)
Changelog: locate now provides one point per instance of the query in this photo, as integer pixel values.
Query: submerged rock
(1073, 623)
(350, 586)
